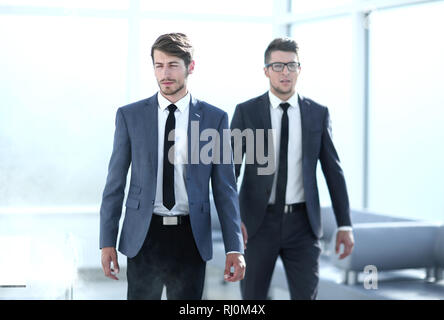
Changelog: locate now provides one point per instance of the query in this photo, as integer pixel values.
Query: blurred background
(66, 66)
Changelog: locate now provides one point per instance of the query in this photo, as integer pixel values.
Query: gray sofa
(388, 243)
(395, 246)
(357, 217)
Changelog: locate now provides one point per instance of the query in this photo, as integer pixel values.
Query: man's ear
(266, 72)
(191, 67)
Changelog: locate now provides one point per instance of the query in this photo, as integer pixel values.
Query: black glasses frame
(288, 64)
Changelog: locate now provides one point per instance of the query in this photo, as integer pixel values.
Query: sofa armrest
(391, 246)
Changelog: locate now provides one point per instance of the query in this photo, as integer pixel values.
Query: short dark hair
(281, 44)
(175, 44)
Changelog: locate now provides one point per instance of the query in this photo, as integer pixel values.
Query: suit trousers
(169, 257)
(289, 236)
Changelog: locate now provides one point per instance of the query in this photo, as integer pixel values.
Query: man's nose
(166, 72)
(285, 70)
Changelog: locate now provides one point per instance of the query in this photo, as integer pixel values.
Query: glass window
(406, 164)
(233, 7)
(303, 6)
(88, 4)
(325, 49)
(62, 79)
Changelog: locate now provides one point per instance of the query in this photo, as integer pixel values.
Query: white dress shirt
(180, 155)
(295, 187)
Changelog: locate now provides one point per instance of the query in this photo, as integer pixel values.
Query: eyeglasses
(279, 66)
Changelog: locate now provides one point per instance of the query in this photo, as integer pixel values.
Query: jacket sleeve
(334, 175)
(225, 195)
(113, 194)
(238, 147)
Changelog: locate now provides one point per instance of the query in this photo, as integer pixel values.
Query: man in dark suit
(281, 211)
(166, 233)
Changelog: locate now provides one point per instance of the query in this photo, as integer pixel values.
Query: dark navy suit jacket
(317, 145)
(136, 143)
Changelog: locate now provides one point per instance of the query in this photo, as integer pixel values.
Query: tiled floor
(93, 285)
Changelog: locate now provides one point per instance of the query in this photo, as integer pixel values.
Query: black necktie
(168, 167)
(281, 185)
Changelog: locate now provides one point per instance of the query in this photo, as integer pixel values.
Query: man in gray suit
(166, 233)
(281, 211)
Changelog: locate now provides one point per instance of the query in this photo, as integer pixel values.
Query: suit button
(152, 201)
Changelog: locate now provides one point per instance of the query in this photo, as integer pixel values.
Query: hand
(237, 261)
(345, 238)
(244, 234)
(109, 254)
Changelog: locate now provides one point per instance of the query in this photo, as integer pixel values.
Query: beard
(170, 91)
(280, 91)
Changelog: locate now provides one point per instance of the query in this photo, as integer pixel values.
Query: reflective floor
(93, 285)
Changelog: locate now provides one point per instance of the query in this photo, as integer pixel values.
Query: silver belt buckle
(170, 221)
(286, 208)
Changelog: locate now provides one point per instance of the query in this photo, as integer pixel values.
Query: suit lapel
(305, 122)
(265, 116)
(195, 118)
(264, 111)
(151, 130)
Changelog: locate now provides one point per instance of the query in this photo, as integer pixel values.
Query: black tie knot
(285, 106)
(172, 108)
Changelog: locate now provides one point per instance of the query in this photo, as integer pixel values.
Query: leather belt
(288, 208)
(171, 220)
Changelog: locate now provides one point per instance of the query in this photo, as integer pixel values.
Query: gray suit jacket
(136, 143)
(317, 145)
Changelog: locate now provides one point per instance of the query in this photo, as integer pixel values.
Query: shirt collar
(275, 101)
(182, 104)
